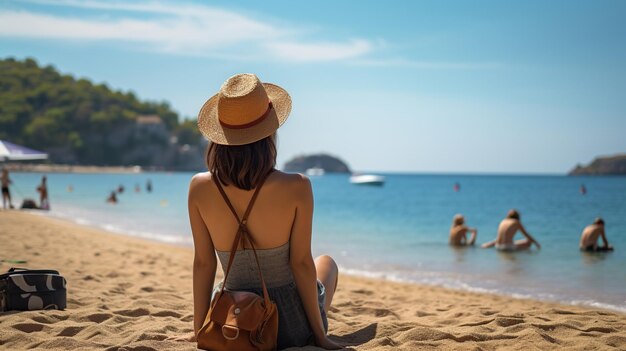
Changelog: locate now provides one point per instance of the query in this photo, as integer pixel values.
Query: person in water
(590, 235)
(458, 232)
(506, 232)
(240, 123)
(42, 189)
(112, 199)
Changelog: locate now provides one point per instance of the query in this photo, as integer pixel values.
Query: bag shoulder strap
(243, 234)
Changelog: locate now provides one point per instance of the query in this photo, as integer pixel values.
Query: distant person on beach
(590, 235)
(241, 160)
(457, 187)
(6, 193)
(42, 189)
(583, 189)
(120, 189)
(149, 186)
(112, 199)
(506, 232)
(458, 232)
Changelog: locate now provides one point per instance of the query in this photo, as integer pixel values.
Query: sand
(130, 294)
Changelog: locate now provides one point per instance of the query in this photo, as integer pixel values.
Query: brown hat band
(249, 124)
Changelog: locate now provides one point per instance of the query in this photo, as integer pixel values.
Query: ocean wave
(104, 225)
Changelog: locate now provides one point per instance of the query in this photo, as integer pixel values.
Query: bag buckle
(231, 328)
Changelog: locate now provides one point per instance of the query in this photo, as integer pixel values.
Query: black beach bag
(27, 290)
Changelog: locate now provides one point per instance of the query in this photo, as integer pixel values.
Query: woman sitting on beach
(458, 232)
(241, 122)
(507, 230)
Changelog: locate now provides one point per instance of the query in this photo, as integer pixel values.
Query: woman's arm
(301, 260)
(204, 261)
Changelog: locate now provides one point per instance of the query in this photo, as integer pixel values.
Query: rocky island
(608, 165)
(329, 164)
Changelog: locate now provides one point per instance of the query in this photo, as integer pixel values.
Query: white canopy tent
(13, 152)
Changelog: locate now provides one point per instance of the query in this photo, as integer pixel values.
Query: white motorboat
(367, 179)
(315, 171)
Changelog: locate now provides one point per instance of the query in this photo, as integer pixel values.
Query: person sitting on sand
(6, 193)
(44, 202)
(507, 230)
(112, 199)
(589, 238)
(241, 122)
(458, 232)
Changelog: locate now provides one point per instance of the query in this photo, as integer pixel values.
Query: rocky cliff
(611, 165)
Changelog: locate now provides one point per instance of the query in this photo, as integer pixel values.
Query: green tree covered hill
(79, 122)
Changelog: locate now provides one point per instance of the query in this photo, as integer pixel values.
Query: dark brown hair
(599, 221)
(513, 214)
(243, 166)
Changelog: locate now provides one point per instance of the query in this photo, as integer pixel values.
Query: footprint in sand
(99, 317)
(423, 314)
(28, 327)
(507, 322)
(137, 312)
(166, 313)
(70, 331)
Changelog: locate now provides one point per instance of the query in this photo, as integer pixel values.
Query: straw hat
(244, 111)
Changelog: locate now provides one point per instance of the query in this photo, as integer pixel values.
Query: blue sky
(411, 86)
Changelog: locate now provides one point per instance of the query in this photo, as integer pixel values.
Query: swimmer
(507, 230)
(590, 235)
(458, 232)
(112, 199)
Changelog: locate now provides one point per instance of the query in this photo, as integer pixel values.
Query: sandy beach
(130, 294)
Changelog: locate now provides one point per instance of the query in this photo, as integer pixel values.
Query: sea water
(400, 231)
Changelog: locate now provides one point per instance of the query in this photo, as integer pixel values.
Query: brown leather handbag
(240, 320)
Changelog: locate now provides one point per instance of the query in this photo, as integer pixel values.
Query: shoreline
(131, 292)
(61, 168)
(351, 272)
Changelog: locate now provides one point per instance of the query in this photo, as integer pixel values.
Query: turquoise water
(400, 231)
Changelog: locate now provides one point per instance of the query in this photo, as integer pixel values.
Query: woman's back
(270, 222)
(271, 219)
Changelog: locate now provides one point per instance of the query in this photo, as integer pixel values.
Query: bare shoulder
(298, 185)
(199, 182)
(293, 179)
(201, 178)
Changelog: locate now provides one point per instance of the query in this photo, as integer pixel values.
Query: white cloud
(180, 28)
(320, 51)
(431, 65)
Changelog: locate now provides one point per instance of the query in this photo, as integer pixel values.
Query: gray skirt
(293, 325)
